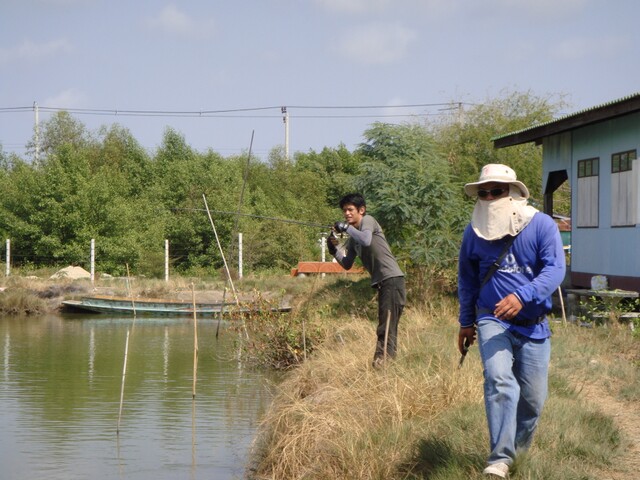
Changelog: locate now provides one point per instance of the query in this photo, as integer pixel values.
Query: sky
(219, 72)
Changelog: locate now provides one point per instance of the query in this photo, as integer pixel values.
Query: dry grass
(339, 418)
(421, 417)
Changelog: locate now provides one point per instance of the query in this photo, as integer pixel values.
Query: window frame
(588, 168)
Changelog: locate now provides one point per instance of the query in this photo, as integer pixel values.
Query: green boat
(157, 307)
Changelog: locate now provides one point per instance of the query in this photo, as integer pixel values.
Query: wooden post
(166, 260)
(564, 315)
(8, 253)
(240, 255)
(93, 260)
(124, 374)
(195, 341)
(386, 334)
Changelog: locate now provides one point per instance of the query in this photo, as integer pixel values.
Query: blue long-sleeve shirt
(533, 269)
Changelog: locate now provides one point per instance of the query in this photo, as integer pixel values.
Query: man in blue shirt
(367, 241)
(507, 306)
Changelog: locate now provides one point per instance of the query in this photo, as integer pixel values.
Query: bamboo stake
(126, 351)
(124, 374)
(224, 298)
(133, 303)
(304, 339)
(226, 267)
(386, 335)
(193, 438)
(195, 341)
(564, 315)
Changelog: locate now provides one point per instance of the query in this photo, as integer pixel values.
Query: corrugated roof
(545, 127)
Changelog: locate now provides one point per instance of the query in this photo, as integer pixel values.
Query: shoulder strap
(495, 265)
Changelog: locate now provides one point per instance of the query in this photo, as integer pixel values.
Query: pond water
(61, 383)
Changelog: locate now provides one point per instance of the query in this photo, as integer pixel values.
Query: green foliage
(410, 190)
(334, 168)
(105, 186)
(600, 310)
(467, 143)
(272, 339)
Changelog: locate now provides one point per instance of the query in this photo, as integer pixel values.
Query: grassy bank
(422, 417)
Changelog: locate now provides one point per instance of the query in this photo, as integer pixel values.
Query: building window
(624, 189)
(623, 161)
(587, 207)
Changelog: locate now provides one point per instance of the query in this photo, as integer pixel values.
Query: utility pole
(460, 114)
(37, 131)
(285, 119)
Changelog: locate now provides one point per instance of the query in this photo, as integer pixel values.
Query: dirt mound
(72, 273)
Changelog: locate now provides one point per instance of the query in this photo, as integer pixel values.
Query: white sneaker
(498, 469)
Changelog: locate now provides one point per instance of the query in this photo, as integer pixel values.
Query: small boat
(157, 307)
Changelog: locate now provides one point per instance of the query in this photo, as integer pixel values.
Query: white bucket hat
(495, 172)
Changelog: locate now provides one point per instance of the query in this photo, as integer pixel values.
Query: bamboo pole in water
(124, 374)
(226, 267)
(224, 260)
(126, 351)
(133, 303)
(195, 341)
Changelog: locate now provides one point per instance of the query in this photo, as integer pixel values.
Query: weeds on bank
(421, 417)
(596, 311)
(272, 339)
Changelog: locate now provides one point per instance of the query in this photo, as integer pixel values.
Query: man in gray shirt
(367, 241)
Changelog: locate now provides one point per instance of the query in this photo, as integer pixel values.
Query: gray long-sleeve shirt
(369, 243)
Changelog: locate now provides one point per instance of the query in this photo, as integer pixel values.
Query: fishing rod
(262, 217)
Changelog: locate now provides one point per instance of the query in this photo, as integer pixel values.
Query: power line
(220, 113)
(388, 112)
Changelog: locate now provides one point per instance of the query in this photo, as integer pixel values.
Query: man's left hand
(508, 308)
(332, 244)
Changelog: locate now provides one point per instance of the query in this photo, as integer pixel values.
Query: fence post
(239, 255)
(8, 266)
(166, 260)
(93, 260)
(323, 246)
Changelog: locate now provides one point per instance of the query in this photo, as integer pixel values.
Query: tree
(59, 130)
(410, 190)
(335, 167)
(467, 141)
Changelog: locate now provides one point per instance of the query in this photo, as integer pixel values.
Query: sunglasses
(495, 192)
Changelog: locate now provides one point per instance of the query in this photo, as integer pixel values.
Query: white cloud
(582, 47)
(174, 21)
(377, 44)
(69, 98)
(29, 51)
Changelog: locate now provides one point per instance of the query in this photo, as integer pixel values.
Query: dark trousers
(391, 299)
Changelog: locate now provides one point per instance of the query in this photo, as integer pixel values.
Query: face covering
(494, 219)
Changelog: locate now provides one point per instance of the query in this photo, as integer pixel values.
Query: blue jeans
(515, 387)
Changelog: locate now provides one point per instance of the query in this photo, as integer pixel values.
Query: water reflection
(61, 389)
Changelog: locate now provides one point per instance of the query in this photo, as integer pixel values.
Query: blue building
(596, 151)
